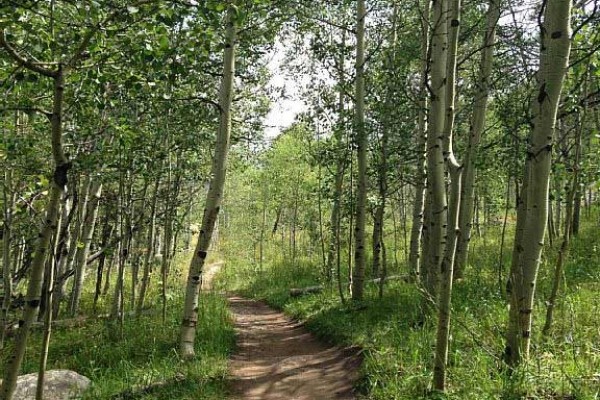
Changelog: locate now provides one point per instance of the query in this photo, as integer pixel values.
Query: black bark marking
(454, 23)
(202, 254)
(35, 303)
(556, 35)
(542, 94)
(61, 174)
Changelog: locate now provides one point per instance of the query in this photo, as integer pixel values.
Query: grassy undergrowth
(125, 366)
(398, 343)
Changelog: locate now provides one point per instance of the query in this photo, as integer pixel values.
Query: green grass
(146, 353)
(398, 344)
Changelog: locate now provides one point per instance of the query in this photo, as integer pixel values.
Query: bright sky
(284, 108)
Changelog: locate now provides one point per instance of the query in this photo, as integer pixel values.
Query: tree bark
(214, 195)
(452, 231)
(49, 227)
(148, 255)
(414, 259)
(8, 201)
(436, 188)
(89, 225)
(51, 265)
(567, 233)
(358, 275)
(556, 43)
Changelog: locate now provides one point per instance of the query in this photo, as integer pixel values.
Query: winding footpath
(278, 359)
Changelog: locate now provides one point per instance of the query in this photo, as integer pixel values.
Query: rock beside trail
(59, 384)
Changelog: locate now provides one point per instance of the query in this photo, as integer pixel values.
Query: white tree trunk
(436, 188)
(414, 259)
(477, 125)
(554, 56)
(358, 275)
(214, 195)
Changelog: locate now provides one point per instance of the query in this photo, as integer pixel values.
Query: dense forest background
(435, 201)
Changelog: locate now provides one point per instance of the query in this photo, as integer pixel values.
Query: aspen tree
(414, 259)
(447, 265)
(39, 392)
(215, 192)
(379, 256)
(563, 252)
(436, 187)
(358, 274)
(49, 226)
(149, 250)
(87, 233)
(467, 192)
(335, 225)
(8, 199)
(533, 213)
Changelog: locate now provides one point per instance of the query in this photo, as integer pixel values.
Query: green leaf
(163, 41)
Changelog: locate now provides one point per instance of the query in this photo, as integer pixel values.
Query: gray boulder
(59, 384)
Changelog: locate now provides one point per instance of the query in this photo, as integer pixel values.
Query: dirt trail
(277, 359)
(209, 274)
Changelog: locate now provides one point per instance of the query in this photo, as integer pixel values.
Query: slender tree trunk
(214, 195)
(118, 299)
(436, 186)
(89, 225)
(49, 227)
(376, 238)
(106, 233)
(503, 237)
(452, 231)
(551, 231)
(111, 263)
(358, 275)
(294, 220)
(51, 265)
(576, 212)
(379, 250)
(69, 210)
(395, 226)
(149, 254)
(263, 226)
(416, 231)
(477, 127)
(66, 264)
(167, 242)
(563, 252)
(335, 224)
(276, 223)
(556, 43)
(8, 199)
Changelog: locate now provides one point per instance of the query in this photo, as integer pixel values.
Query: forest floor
(277, 358)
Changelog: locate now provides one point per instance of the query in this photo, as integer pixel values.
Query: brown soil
(278, 359)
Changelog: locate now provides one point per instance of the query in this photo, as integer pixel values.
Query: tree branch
(29, 64)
